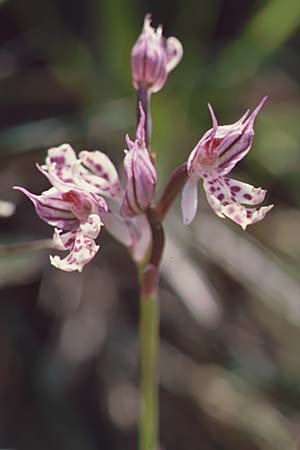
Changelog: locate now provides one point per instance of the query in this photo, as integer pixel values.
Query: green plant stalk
(149, 344)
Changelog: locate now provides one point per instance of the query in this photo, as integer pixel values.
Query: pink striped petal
(79, 203)
(222, 147)
(204, 154)
(236, 140)
(52, 208)
(140, 183)
(55, 179)
(84, 247)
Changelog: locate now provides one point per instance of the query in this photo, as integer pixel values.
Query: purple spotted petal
(83, 249)
(227, 198)
(245, 216)
(100, 164)
(96, 173)
(59, 163)
(63, 241)
(64, 155)
(245, 193)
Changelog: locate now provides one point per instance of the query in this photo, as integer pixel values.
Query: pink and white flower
(215, 155)
(75, 203)
(77, 218)
(153, 57)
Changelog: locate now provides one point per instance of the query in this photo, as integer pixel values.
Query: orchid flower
(77, 218)
(153, 57)
(215, 155)
(76, 198)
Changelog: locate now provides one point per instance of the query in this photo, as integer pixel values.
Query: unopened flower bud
(141, 181)
(153, 57)
(140, 172)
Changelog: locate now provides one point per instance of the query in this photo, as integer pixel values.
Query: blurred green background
(230, 301)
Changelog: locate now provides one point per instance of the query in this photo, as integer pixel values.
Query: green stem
(149, 336)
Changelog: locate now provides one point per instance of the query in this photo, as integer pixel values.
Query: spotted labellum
(76, 217)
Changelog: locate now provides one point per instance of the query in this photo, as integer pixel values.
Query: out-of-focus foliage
(230, 301)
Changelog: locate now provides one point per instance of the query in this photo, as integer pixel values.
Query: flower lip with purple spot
(214, 156)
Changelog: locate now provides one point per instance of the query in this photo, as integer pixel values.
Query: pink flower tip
(153, 57)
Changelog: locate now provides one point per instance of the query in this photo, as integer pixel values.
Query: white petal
(174, 53)
(189, 200)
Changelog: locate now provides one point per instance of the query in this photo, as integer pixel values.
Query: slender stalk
(149, 343)
(149, 339)
(172, 189)
(144, 97)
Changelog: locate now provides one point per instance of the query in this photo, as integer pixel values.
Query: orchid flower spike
(141, 177)
(153, 57)
(215, 155)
